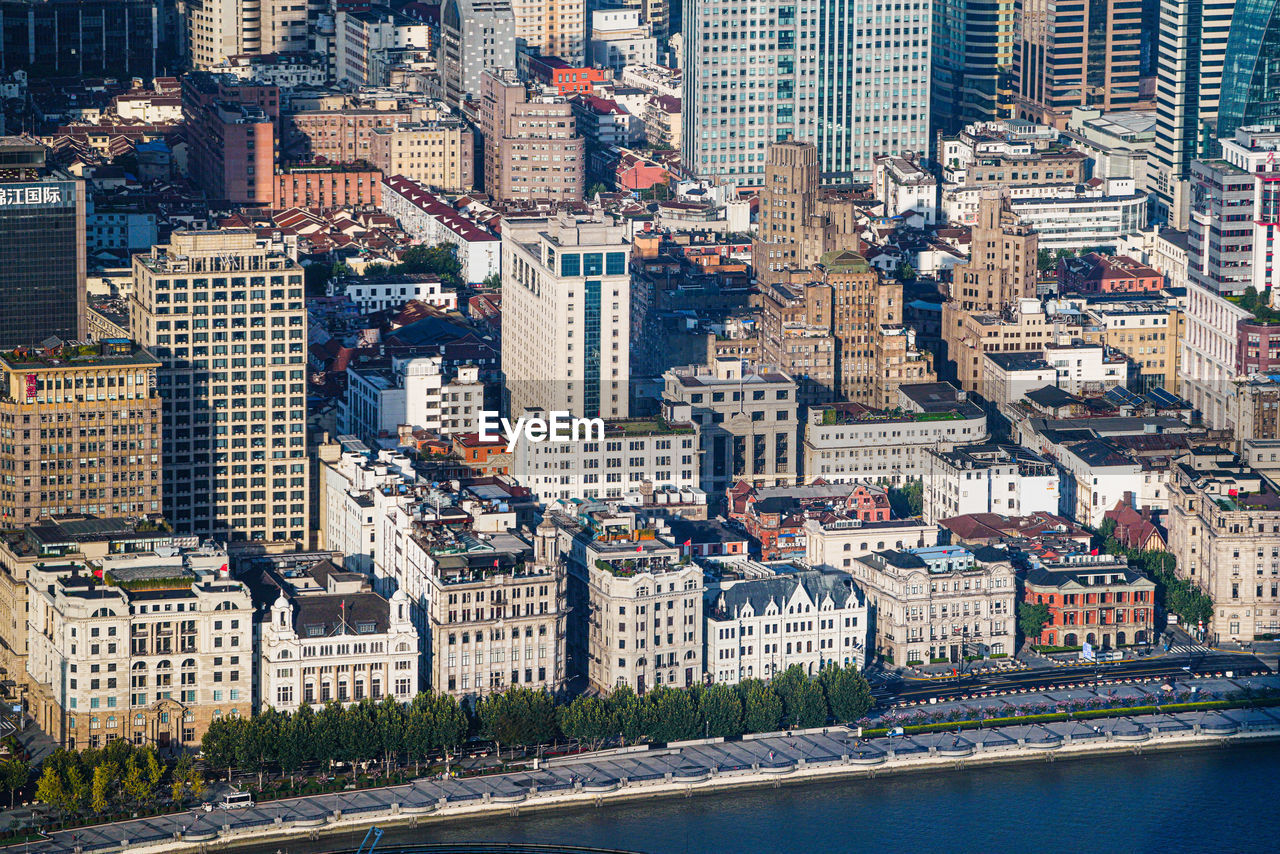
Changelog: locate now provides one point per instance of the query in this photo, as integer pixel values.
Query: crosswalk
(1185, 648)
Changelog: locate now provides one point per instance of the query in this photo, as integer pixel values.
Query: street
(891, 689)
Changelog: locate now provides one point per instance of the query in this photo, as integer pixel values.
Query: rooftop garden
(644, 427)
(630, 567)
(835, 416)
(168, 582)
(1257, 304)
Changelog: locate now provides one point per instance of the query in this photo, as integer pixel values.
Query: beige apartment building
(1003, 258)
(498, 627)
(218, 29)
(532, 149)
(145, 647)
(639, 602)
(1021, 326)
(1150, 334)
(439, 154)
(552, 27)
(79, 432)
(223, 311)
(939, 604)
(1224, 532)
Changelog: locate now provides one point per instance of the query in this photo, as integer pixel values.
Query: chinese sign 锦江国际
(33, 194)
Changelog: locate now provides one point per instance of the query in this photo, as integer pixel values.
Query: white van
(236, 801)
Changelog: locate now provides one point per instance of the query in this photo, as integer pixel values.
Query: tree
(15, 774)
(588, 719)
(106, 778)
(719, 711)
(258, 740)
(77, 787)
(517, 715)
(219, 744)
(596, 187)
(295, 741)
(670, 715)
(1045, 261)
(847, 692)
(134, 783)
(803, 704)
(390, 720)
(906, 273)
(624, 707)
(52, 788)
(439, 260)
(908, 500)
(1032, 620)
(761, 706)
(449, 721)
(493, 280)
(187, 783)
(327, 734)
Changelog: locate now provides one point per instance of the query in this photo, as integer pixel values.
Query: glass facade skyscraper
(851, 76)
(1251, 71)
(42, 262)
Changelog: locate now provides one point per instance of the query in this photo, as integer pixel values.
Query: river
(1215, 799)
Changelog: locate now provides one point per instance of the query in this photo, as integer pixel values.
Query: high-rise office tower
(566, 316)
(851, 76)
(1077, 53)
(1251, 71)
(42, 250)
(475, 35)
(82, 38)
(1192, 46)
(972, 62)
(223, 312)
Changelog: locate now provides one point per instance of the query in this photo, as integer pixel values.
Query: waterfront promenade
(674, 770)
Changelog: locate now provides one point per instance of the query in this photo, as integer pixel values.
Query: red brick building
(1106, 274)
(327, 185)
(484, 458)
(232, 131)
(776, 515)
(1106, 605)
(567, 79)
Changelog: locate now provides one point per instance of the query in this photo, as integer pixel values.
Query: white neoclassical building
(778, 615)
(330, 637)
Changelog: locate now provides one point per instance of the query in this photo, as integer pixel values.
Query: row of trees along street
(435, 726)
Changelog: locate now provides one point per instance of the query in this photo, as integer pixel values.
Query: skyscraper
(1251, 71)
(475, 35)
(223, 312)
(42, 250)
(1077, 53)
(217, 29)
(1192, 46)
(972, 62)
(566, 316)
(851, 76)
(80, 38)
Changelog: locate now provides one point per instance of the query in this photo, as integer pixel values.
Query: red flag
(495, 562)
(1094, 552)
(639, 548)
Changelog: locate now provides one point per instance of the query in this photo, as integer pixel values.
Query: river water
(1208, 800)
